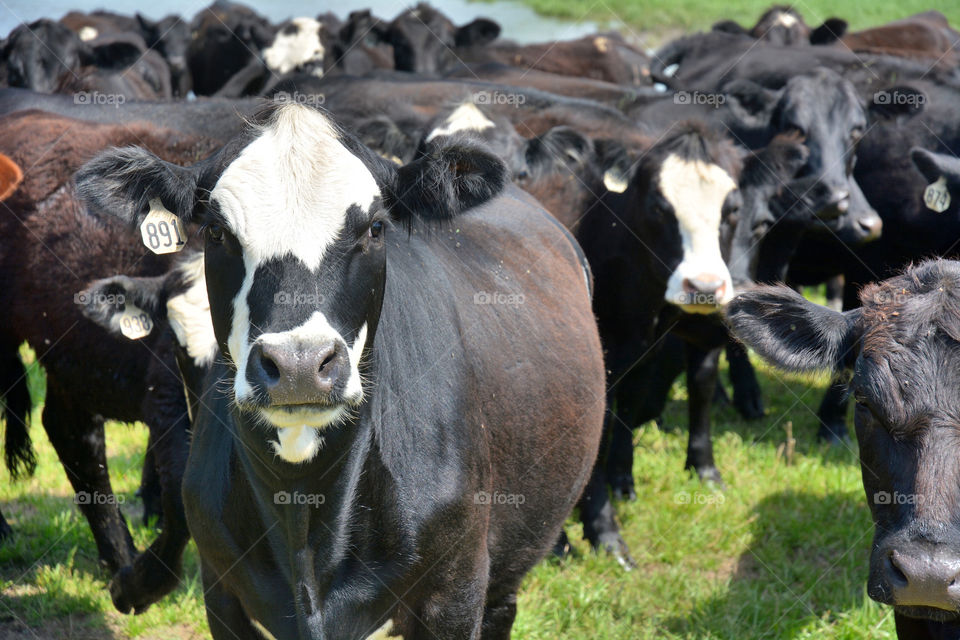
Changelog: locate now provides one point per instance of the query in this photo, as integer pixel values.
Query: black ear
(116, 55)
(479, 32)
(569, 144)
(792, 332)
(784, 157)
(751, 103)
(105, 301)
(896, 102)
(446, 181)
(729, 26)
(934, 165)
(120, 182)
(830, 31)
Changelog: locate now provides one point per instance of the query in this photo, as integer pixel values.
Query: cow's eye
(856, 134)
(215, 233)
(376, 229)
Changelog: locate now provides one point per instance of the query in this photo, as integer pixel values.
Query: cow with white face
(372, 355)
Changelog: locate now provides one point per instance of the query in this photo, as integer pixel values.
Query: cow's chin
(299, 430)
(928, 613)
(700, 309)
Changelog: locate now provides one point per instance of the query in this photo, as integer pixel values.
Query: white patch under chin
(466, 117)
(297, 444)
(291, 50)
(189, 314)
(697, 191)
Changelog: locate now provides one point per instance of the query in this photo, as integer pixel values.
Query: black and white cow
(392, 389)
(903, 346)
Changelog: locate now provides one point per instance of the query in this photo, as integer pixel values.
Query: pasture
(782, 553)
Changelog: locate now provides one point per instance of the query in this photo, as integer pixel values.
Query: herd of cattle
(315, 259)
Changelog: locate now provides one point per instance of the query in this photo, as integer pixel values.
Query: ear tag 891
(162, 231)
(135, 323)
(936, 196)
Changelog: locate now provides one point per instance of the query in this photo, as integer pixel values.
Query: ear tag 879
(161, 230)
(936, 196)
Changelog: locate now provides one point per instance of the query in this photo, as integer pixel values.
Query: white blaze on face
(286, 196)
(697, 191)
(466, 117)
(290, 50)
(785, 19)
(189, 315)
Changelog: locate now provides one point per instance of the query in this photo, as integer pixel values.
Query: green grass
(700, 14)
(782, 553)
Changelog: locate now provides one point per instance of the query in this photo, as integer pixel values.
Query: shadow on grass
(807, 563)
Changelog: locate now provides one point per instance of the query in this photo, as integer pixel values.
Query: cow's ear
(117, 55)
(829, 32)
(121, 182)
(479, 32)
(446, 180)
(10, 177)
(729, 26)
(615, 162)
(751, 103)
(106, 301)
(792, 332)
(933, 166)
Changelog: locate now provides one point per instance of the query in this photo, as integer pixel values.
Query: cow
(52, 249)
(779, 25)
(903, 347)
(226, 37)
(37, 54)
(318, 400)
(424, 40)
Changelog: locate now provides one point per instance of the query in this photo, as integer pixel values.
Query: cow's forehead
(289, 190)
(695, 188)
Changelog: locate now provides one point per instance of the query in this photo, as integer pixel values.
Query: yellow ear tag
(135, 323)
(936, 196)
(161, 230)
(614, 181)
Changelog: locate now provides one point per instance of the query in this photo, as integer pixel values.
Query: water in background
(517, 21)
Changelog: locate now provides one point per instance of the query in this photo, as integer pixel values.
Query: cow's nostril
(326, 361)
(895, 572)
(270, 368)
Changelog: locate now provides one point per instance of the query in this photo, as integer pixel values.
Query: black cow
(36, 55)
(423, 39)
(226, 38)
(352, 457)
(903, 346)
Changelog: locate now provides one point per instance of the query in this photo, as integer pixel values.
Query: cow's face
(38, 54)
(686, 186)
(295, 214)
(904, 348)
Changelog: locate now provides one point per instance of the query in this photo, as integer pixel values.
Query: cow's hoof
(711, 476)
(615, 545)
(834, 434)
(562, 548)
(622, 487)
(749, 404)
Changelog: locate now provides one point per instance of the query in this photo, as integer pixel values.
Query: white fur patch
(466, 117)
(384, 632)
(88, 33)
(289, 51)
(262, 630)
(697, 191)
(785, 19)
(189, 315)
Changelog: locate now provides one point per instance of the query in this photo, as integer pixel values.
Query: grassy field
(700, 14)
(782, 553)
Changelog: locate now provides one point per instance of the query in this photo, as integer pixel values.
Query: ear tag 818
(135, 323)
(161, 230)
(936, 196)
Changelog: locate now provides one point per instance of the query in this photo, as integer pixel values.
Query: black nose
(924, 577)
(293, 373)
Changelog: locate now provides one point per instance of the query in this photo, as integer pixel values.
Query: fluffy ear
(751, 103)
(116, 55)
(10, 177)
(729, 26)
(479, 32)
(563, 142)
(791, 332)
(105, 301)
(934, 165)
(121, 182)
(830, 31)
(445, 181)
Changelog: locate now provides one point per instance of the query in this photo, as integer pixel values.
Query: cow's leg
(156, 572)
(5, 530)
(596, 509)
(833, 412)
(498, 618)
(79, 441)
(747, 395)
(620, 461)
(701, 383)
(225, 614)
(149, 491)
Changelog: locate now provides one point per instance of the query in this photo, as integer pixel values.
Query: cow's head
(296, 215)
(683, 188)
(824, 109)
(904, 348)
(423, 38)
(36, 55)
